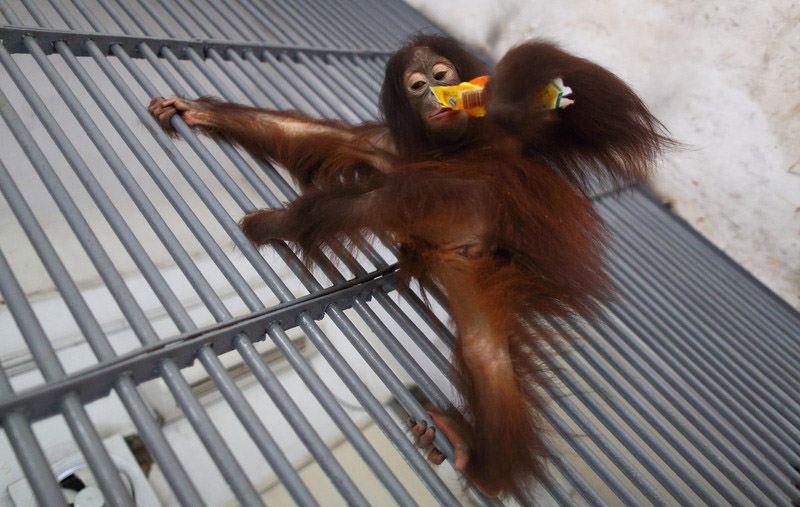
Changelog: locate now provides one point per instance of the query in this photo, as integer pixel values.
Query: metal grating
(685, 392)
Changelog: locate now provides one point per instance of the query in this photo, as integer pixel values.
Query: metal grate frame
(685, 391)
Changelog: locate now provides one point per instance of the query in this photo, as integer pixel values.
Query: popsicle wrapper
(470, 96)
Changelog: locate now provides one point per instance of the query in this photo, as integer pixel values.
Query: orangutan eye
(417, 85)
(443, 71)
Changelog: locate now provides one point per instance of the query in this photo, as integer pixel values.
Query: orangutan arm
(312, 150)
(607, 134)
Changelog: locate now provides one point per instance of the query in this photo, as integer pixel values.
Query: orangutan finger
(166, 115)
(435, 456)
(426, 438)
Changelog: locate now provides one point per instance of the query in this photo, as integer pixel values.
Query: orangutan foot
(262, 225)
(449, 428)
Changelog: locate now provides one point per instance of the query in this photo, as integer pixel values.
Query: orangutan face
(427, 69)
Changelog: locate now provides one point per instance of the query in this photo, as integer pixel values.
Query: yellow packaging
(466, 96)
(554, 95)
(470, 98)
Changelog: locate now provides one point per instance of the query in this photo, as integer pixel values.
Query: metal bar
(351, 64)
(374, 66)
(734, 274)
(224, 459)
(714, 273)
(555, 491)
(140, 363)
(241, 24)
(406, 18)
(647, 362)
(153, 15)
(13, 37)
(135, 18)
(370, 68)
(70, 406)
(572, 476)
(736, 345)
(113, 280)
(283, 23)
(328, 95)
(101, 199)
(378, 29)
(240, 285)
(632, 397)
(168, 239)
(743, 367)
(230, 226)
(379, 414)
(124, 386)
(29, 453)
(279, 93)
(588, 428)
(590, 458)
(274, 29)
(166, 187)
(304, 98)
(260, 436)
(248, 417)
(180, 389)
(299, 423)
(327, 399)
(413, 331)
(255, 427)
(338, 69)
(671, 340)
(644, 457)
(320, 33)
(324, 14)
(322, 71)
(207, 25)
(610, 334)
(390, 379)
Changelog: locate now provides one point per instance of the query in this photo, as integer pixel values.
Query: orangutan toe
(262, 225)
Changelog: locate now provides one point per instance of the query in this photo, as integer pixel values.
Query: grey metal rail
(686, 388)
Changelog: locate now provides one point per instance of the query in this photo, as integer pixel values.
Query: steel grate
(130, 293)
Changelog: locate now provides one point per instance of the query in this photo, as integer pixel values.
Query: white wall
(723, 76)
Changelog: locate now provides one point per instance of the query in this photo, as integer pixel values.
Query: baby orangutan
(492, 210)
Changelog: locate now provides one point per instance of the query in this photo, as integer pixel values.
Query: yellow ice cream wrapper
(469, 96)
(554, 95)
(463, 96)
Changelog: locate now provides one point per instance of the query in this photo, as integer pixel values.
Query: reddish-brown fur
(500, 220)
